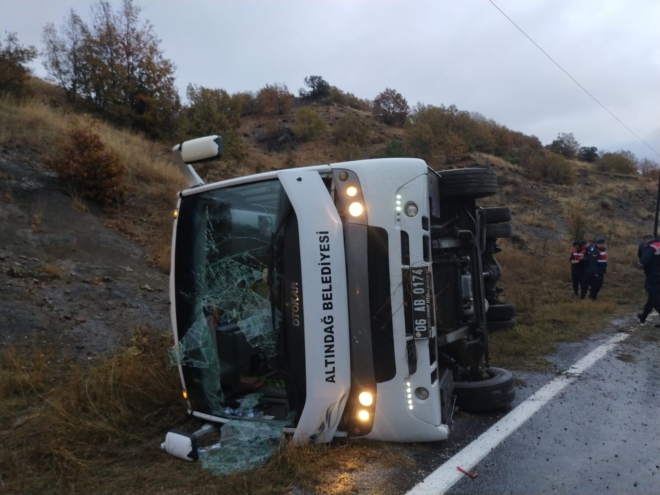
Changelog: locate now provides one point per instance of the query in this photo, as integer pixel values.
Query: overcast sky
(435, 52)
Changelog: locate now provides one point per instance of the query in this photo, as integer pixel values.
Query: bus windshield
(227, 283)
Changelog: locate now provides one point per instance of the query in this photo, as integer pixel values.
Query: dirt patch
(69, 282)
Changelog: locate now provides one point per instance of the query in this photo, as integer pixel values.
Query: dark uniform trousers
(577, 281)
(653, 300)
(595, 282)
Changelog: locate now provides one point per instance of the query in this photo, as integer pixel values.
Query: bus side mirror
(181, 444)
(201, 149)
(197, 151)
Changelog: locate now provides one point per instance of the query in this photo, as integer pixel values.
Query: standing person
(577, 264)
(595, 260)
(642, 245)
(650, 261)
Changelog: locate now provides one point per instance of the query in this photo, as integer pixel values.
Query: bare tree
(64, 57)
(116, 64)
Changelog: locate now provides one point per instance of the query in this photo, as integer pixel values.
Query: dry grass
(72, 428)
(51, 271)
(61, 414)
(537, 281)
(153, 179)
(536, 218)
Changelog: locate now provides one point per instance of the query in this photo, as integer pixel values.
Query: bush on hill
(248, 103)
(553, 168)
(394, 150)
(419, 141)
(618, 162)
(308, 124)
(275, 98)
(13, 73)
(391, 107)
(350, 129)
(318, 88)
(213, 111)
(565, 145)
(88, 168)
(343, 98)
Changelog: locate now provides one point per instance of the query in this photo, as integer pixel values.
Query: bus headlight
(363, 415)
(351, 191)
(366, 399)
(356, 209)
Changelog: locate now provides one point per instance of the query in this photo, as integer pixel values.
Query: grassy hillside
(546, 216)
(80, 429)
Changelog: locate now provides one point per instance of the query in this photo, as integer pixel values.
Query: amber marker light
(185, 395)
(363, 415)
(351, 191)
(366, 399)
(176, 213)
(355, 209)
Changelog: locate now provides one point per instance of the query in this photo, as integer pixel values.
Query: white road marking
(443, 478)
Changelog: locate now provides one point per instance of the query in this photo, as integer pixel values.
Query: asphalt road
(599, 435)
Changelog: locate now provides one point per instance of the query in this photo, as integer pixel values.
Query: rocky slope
(66, 280)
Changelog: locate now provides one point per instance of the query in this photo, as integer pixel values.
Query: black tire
(496, 392)
(497, 214)
(468, 183)
(500, 325)
(500, 312)
(499, 230)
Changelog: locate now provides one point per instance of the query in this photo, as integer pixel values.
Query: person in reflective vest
(650, 261)
(577, 264)
(595, 260)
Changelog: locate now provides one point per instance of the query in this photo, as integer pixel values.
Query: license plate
(418, 302)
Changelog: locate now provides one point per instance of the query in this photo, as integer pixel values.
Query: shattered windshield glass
(228, 299)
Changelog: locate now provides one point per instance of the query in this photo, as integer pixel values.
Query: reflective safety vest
(602, 260)
(655, 245)
(578, 254)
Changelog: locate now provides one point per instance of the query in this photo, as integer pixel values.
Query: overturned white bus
(349, 299)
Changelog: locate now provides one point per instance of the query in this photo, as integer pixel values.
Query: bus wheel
(497, 214)
(496, 392)
(468, 183)
(499, 230)
(500, 312)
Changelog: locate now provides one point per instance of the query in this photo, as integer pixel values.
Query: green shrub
(350, 129)
(318, 88)
(553, 168)
(88, 168)
(308, 124)
(577, 223)
(619, 162)
(346, 99)
(419, 141)
(394, 150)
(248, 103)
